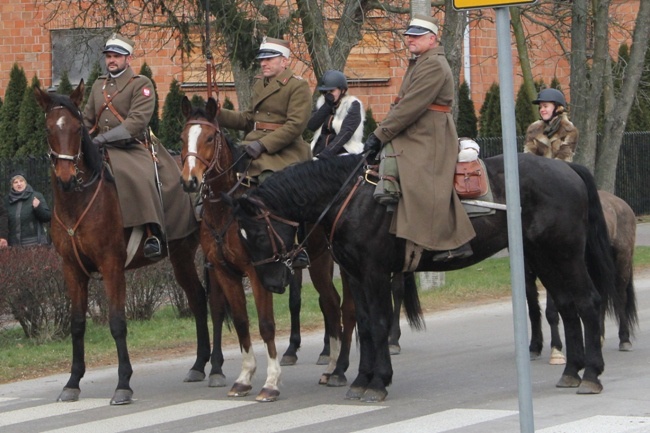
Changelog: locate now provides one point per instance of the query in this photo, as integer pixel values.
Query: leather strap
(108, 102)
(433, 107)
(267, 126)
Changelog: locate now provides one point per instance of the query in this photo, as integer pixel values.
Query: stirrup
(152, 247)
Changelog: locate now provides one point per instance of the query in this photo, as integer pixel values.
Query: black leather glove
(372, 144)
(329, 99)
(326, 154)
(99, 141)
(255, 149)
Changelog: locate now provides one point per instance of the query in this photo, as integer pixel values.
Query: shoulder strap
(108, 102)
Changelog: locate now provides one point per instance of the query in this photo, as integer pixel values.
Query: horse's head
(65, 132)
(204, 146)
(269, 240)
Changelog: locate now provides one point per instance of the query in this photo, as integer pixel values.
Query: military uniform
(424, 136)
(556, 139)
(277, 117)
(133, 100)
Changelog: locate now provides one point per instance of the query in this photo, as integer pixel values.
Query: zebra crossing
(37, 416)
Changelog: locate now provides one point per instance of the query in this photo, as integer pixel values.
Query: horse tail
(412, 302)
(630, 307)
(598, 251)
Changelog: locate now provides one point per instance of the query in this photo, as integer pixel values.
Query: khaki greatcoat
(132, 163)
(286, 100)
(430, 213)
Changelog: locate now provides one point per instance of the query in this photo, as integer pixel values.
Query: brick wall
(25, 39)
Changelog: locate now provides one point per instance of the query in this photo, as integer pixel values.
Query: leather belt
(266, 126)
(433, 107)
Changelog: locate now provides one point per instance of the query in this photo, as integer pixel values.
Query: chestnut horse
(88, 234)
(210, 165)
(621, 227)
(564, 237)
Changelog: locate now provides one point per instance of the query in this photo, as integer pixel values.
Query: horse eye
(243, 234)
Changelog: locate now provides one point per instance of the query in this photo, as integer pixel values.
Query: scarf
(14, 195)
(552, 126)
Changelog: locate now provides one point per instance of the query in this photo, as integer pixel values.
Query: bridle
(54, 156)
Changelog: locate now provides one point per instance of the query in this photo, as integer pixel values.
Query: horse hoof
(625, 347)
(121, 397)
(557, 357)
(534, 356)
(288, 360)
(323, 360)
(69, 394)
(374, 396)
(395, 349)
(337, 380)
(194, 376)
(568, 382)
(267, 395)
(589, 387)
(217, 381)
(239, 390)
(355, 393)
(324, 378)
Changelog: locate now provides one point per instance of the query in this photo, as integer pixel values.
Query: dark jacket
(4, 222)
(26, 223)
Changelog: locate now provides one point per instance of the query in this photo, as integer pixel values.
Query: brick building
(43, 47)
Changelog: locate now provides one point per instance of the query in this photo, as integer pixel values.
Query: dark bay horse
(209, 163)
(88, 234)
(564, 235)
(621, 227)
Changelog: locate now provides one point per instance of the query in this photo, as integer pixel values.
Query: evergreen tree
(154, 123)
(64, 87)
(523, 114)
(173, 121)
(490, 113)
(11, 111)
(31, 124)
(370, 124)
(95, 72)
(197, 100)
(467, 121)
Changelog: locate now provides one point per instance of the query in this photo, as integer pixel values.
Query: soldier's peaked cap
(421, 25)
(119, 44)
(272, 47)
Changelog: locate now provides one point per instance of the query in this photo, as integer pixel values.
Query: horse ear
(42, 97)
(186, 107)
(78, 95)
(212, 107)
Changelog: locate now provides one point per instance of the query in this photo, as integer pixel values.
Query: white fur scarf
(355, 145)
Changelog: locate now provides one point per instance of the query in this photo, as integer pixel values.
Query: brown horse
(88, 234)
(621, 227)
(210, 165)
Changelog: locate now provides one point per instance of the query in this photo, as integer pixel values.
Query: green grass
(167, 336)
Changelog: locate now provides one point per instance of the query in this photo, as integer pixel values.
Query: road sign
(476, 4)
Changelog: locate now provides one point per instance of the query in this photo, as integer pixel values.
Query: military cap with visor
(421, 25)
(119, 44)
(272, 47)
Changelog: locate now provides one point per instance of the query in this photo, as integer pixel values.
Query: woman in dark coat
(27, 212)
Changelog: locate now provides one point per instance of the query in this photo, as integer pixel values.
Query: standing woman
(554, 136)
(27, 212)
(337, 119)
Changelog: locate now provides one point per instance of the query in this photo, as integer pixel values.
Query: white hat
(272, 47)
(119, 44)
(421, 25)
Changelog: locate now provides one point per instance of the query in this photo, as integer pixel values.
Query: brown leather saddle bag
(470, 179)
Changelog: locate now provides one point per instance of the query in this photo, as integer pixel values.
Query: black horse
(564, 234)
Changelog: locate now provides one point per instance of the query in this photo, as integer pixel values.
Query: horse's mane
(92, 156)
(297, 185)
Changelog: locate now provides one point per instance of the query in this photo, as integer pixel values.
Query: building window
(76, 51)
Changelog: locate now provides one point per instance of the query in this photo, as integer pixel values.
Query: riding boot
(462, 252)
(152, 245)
(301, 260)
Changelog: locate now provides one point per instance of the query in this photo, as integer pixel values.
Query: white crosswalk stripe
(49, 410)
(294, 419)
(153, 417)
(604, 424)
(442, 421)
